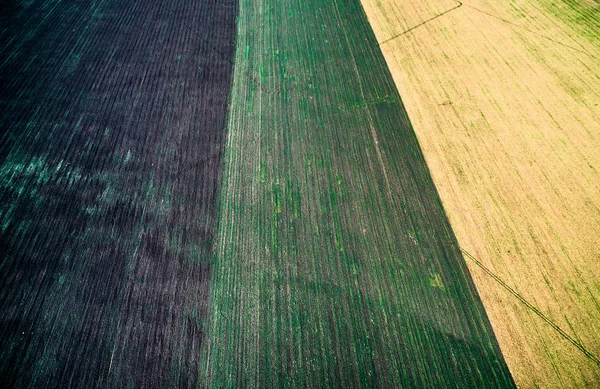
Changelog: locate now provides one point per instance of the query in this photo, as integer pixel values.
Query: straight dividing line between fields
(530, 31)
(459, 4)
(574, 342)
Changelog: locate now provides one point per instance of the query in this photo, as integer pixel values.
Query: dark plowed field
(112, 117)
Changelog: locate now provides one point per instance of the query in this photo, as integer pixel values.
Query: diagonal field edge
(531, 307)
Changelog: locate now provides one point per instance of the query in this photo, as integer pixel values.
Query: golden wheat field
(505, 100)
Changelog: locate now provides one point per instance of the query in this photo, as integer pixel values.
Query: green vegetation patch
(334, 263)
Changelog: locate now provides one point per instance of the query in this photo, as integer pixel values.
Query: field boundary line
(532, 308)
(459, 4)
(531, 31)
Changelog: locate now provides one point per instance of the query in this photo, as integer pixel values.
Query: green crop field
(334, 263)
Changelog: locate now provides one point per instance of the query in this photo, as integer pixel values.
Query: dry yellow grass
(505, 100)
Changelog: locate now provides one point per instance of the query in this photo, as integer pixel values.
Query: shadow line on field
(545, 318)
(458, 5)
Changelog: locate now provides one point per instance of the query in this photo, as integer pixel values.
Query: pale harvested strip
(505, 100)
(335, 265)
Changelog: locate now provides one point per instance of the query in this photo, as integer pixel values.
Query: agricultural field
(505, 101)
(112, 117)
(232, 194)
(334, 263)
